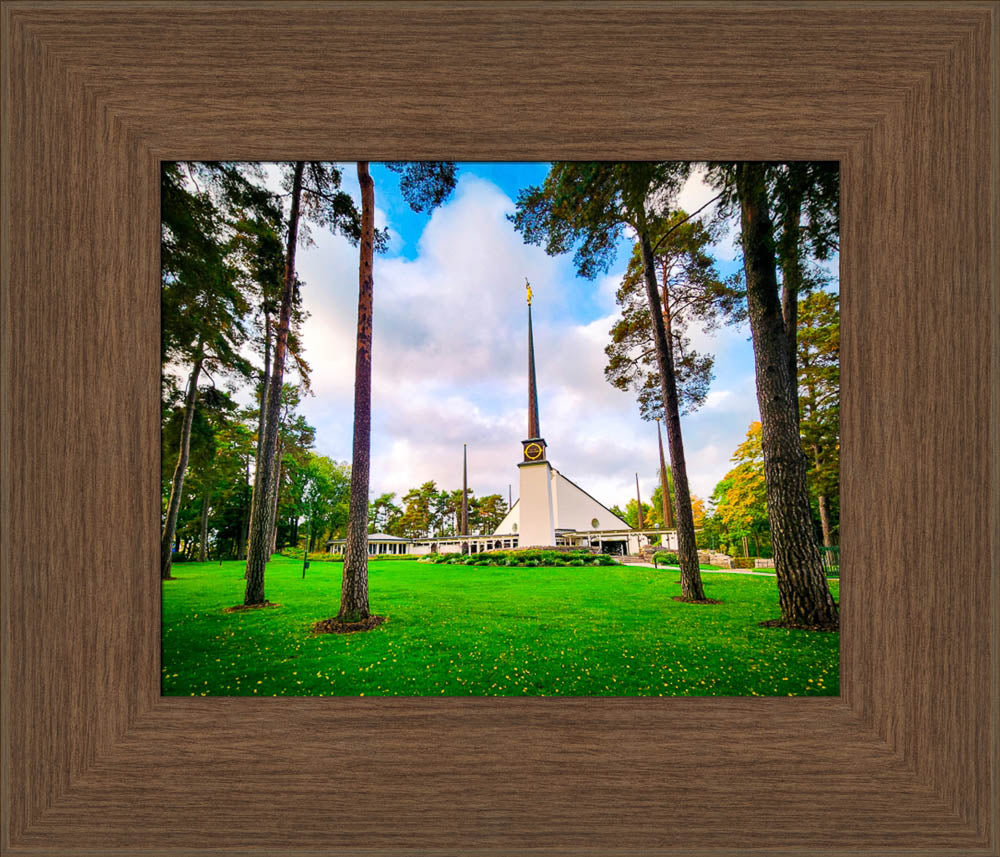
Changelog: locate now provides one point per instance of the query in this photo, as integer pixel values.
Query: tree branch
(680, 223)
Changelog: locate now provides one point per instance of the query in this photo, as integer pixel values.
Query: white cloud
(717, 399)
(449, 363)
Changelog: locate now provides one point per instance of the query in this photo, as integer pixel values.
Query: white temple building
(551, 510)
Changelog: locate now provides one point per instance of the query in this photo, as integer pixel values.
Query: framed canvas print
(335, 341)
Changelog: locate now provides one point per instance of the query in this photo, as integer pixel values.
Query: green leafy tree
(384, 515)
(213, 466)
(487, 513)
(632, 514)
(420, 518)
(203, 309)
(740, 499)
(819, 403)
(295, 442)
(320, 488)
(586, 208)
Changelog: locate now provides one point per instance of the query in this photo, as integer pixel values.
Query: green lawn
(457, 631)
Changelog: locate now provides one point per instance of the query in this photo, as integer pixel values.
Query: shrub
(666, 557)
(743, 561)
(576, 562)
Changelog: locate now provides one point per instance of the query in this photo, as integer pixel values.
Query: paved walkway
(716, 570)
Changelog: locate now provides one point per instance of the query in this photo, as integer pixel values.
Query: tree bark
(668, 518)
(354, 586)
(241, 539)
(692, 588)
(180, 469)
(265, 381)
(791, 276)
(203, 534)
(804, 596)
(261, 516)
(275, 495)
(824, 520)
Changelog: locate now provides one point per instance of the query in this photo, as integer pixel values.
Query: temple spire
(464, 524)
(533, 430)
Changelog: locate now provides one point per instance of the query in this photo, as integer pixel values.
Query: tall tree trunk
(169, 533)
(265, 380)
(824, 520)
(275, 495)
(668, 518)
(823, 502)
(692, 588)
(261, 516)
(241, 538)
(802, 589)
(791, 273)
(203, 534)
(354, 586)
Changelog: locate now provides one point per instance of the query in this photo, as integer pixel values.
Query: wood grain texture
(95, 761)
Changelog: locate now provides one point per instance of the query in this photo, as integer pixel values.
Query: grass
(458, 631)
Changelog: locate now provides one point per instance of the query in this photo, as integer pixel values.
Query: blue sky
(449, 352)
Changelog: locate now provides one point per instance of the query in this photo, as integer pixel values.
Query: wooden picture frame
(95, 761)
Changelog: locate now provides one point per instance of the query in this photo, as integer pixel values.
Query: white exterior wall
(537, 527)
(511, 523)
(576, 509)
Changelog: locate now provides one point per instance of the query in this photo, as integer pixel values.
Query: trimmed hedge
(318, 556)
(529, 557)
(296, 553)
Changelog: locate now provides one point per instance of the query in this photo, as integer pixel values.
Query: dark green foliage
(324, 202)
(424, 184)
(692, 292)
(585, 207)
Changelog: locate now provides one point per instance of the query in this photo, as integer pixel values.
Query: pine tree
(586, 207)
(804, 596)
(424, 185)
